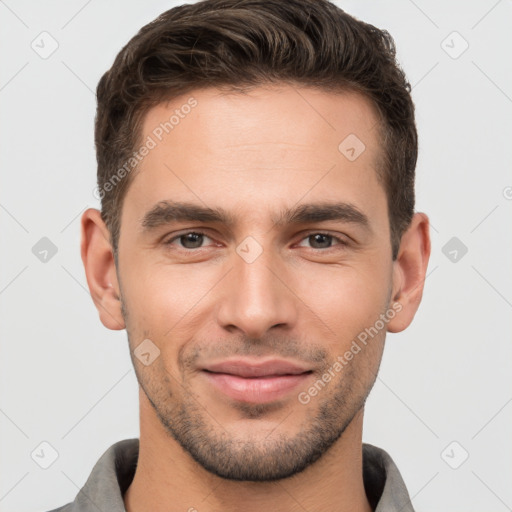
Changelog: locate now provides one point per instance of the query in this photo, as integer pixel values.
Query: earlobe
(409, 271)
(98, 260)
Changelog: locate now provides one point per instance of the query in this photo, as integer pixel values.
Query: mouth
(255, 381)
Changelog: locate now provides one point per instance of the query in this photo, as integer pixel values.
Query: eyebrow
(168, 211)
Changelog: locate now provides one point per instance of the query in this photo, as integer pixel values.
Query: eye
(323, 240)
(189, 240)
(195, 239)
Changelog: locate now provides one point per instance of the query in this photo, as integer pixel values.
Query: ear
(98, 260)
(409, 270)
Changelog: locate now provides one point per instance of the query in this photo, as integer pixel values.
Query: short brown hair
(246, 43)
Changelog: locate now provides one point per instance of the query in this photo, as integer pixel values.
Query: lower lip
(256, 389)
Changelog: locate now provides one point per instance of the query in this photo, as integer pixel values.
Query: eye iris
(322, 240)
(191, 240)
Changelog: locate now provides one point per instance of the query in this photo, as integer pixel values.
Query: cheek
(350, 301)
(161, 299)
(168, 301)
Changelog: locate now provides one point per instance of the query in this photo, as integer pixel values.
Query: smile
(256, 383)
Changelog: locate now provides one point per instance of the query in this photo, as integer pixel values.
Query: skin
(255, 155)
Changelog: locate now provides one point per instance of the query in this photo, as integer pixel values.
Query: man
(257, 239)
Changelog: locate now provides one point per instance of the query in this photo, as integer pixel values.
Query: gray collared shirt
(114, 472)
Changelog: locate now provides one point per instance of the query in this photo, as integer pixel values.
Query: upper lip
(254, 368)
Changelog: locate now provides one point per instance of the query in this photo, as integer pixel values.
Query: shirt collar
(114, 472)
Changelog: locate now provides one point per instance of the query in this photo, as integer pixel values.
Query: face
(253, 254)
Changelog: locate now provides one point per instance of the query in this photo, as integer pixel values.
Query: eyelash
(339, 240)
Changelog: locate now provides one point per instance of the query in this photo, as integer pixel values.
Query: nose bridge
(256, 299)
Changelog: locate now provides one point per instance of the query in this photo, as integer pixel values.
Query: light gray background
(68, 381)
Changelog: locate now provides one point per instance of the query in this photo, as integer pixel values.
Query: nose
(256, 297)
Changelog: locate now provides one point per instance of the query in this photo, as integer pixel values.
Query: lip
(256, 381)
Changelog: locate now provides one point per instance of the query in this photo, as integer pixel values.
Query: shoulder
(65, 508)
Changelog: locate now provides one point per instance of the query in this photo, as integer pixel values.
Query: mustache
(197, 353)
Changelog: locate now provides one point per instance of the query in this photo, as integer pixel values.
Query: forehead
(297, 117)
(269, 145)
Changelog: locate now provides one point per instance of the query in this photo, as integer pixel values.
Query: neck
(167, 479)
